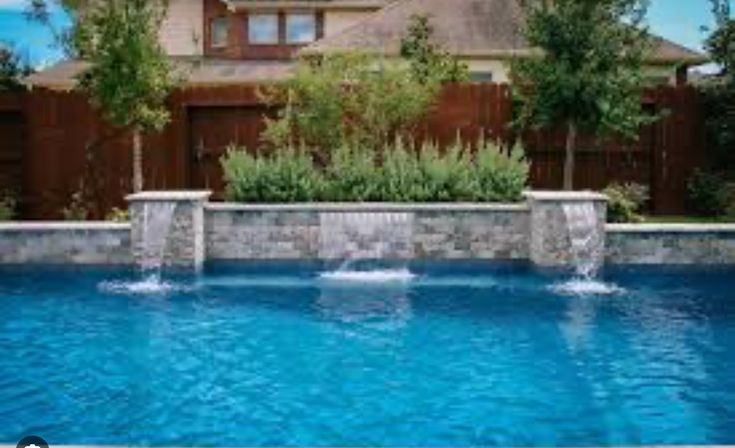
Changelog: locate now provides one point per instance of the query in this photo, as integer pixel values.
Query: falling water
(351, 239)
(587, 250)
(585, 240)
(157, 219)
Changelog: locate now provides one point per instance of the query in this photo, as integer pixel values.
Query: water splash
(350, 239)
(586, 287)
(150, 285)
(402, 275)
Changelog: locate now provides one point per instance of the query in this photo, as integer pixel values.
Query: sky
(678, 20)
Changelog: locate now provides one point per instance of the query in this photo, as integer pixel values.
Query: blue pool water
(462, 354)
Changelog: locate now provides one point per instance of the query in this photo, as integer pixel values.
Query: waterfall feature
(352, 239)
(157, 220)
(587, 246)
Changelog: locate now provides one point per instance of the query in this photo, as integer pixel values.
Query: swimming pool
(461, 354)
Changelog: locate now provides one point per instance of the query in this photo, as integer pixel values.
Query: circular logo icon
(32, 442)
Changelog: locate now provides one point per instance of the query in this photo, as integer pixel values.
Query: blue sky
(678, 20)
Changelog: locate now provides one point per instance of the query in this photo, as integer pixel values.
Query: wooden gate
(211, 131)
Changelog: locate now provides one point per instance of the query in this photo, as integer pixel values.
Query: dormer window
(219, 32)
(263, 28)
(300, 28)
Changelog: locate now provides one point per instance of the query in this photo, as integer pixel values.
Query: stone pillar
(550, 242)
(184, 245)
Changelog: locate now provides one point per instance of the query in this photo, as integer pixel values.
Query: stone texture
(327, 231)
(65, 243)
(185, 245)
(670, 244)
(550, 244)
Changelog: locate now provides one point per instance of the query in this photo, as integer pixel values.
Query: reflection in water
(365, 309)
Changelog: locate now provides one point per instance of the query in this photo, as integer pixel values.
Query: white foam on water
(151, 285)
(586, 287)
(373, 276)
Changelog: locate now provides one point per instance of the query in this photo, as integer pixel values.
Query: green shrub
(77, 210)
(401, 179)
(626, 202)
(285, 176)
(354, 174)
(446, 177)
(7, 207)
(708, 194)
(500, 176)
(117, 215)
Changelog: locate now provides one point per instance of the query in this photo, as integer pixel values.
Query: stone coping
(169, 196)
(670, 228)
(32, 226)
(565, 196)
(347, 207)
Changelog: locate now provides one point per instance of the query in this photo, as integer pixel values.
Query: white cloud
(13, 4)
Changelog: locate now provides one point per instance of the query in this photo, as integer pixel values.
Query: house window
(481, 77)
(219, 31)
(300, 28)
(263, 28)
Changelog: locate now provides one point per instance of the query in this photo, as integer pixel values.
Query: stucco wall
(337, 21)
(65, 243)
(670, 244)
(413, 231)
(182, 31)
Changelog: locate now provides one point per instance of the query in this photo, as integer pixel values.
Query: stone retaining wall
(670, 244)
(310, 231)
(65, 243)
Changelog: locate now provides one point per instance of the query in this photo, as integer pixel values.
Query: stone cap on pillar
(169, 196)
(565, 196)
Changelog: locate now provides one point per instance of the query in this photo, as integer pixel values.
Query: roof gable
(467, 28)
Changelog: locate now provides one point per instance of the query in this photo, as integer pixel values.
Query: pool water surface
(459, 354)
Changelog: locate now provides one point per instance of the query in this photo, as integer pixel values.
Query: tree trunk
(137, 161)
(571, 146)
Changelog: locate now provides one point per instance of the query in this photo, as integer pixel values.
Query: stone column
(184, 245)
(550, 242)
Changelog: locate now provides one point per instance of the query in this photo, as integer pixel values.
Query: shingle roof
(468, 28)
(63, 75)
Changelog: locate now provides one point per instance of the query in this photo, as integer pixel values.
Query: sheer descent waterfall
(586, 243)
(157, 220)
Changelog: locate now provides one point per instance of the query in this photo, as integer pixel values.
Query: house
(250, 41)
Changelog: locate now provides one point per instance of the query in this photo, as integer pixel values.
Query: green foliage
(428, 62)
(118, 215)
(77, 209)
(12, 69)
(130, 76)
(589, 73)
(285, 176)
(719, 93)
(501, 177)
(343, 99)
(720, 44)
(490, 174)
(353, 175)
(708, 194)
(8, 204)
(626, 202)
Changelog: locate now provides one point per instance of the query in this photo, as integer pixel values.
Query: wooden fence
(66, 147)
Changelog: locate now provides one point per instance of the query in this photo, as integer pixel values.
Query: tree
(719, 91)
(12, 69)
(129, 77)
(428, 61)
(351, 99)
(589, 73)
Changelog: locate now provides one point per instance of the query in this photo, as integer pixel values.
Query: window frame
(272, 15)
(212, 27)
(312, 15)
